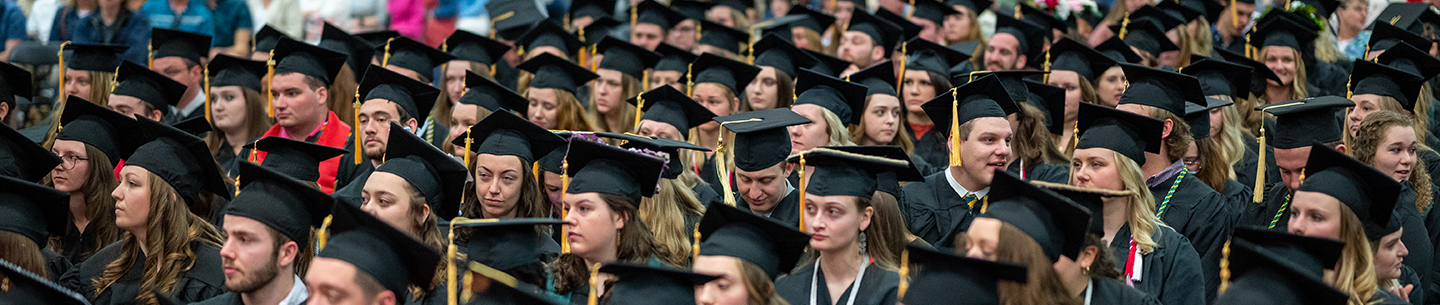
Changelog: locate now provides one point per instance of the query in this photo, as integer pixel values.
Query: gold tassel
(61, 55)
(355, 105)
(269, 78)
(208, 118)
(984, 204)
(1249, 50)
(634, 15)
(644, 82)
(1124, 26)
(698, 31)
(593, 65)
(955, 158)
(450, 261)
(904, 50)
(322, 236)
(1349, 85)
(115, 80)
(468, 142)
(904, 274)
(689, 77)
(564, 187)
(1018, 14)
(1225, 266)
(1259, 193)
(695, 246)
(1046, 78)
(803, 184)
(385, 60)
(723, 171)
(237, 185)
(150, 54)
(594, 287)
(639, 103)
(535, 170)
(751, 47)
(1234, 16)
(1302, 175)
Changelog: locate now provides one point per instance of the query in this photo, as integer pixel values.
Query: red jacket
(335, 133)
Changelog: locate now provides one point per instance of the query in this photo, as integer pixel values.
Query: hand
(1403, 292)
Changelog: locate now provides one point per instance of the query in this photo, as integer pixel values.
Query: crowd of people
(719, 152)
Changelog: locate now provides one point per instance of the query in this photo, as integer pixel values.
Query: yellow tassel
(594, 287)
(1234, 16)
(1249, 50)
(1124, 26)
(593, 65)
(1046, 77)
(322, 236)
(115, 80)
(1018, 14)
(237, 185)
(1260, 168)
(61, 55)
(1302, 175)
(634, 15)
(535, 170)
(690, 77)
(564, 187)
(355, 105)
(955, 158)
(645, 82)
(450, 264)
(207, 96)
(803, 184)
(698, 31)
(567, 25)
(150, 54)
(1349, 87)
(385, 60)
(984, 204)
(695, 246)
(639, 103)
(270, 78)
(492, 69)
(1225, 266)
(468, 142)
(904, 50)
(904, 274)
(751, 47)
(723, 172)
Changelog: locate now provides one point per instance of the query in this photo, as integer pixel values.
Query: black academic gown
(934, 211)
(710, 175)
(1263, 287)
(78, 246)
(1415, 237)
(1237, 197)
(1170, 272)
(932, 149)
(1203, 217)
(786, 212)
(204, 280)
(1245, 168)
(55, 264)
(1112, 291)
(1408, 277)
(1277, 196)
(1432, 224)
(707, 195)
(228, 160)
(228, 298)
(507, 75)
(877, 286)
(346, 173)
(1053, 173)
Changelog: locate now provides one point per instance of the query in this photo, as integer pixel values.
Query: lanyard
(854, 288)
(1133, 264)
(1166, 203)
(1280, 212)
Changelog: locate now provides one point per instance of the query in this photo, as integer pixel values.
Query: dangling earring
(862, 243)
(1085, 270)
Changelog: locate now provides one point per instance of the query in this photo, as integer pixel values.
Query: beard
(254, 279)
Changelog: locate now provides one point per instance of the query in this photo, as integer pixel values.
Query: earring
(1085, 270)
(862, 243)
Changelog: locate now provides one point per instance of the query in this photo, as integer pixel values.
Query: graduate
(165, 184)
(90, 145)
(519, 247)
(650, 23)
(1110, 83)
(552, 93)
(671, 68)
(1032, 153)
(716, 82)
(1372, 91)
(659, 285)
(747, 252)
(1297, 125)
(265, 40)
(622, 71)
(1030, 226)
(1203, 152)
(296, 159)
(1268, 267)
(1014, 45)
(387, 97)
(482, 97)
(237, 111)
(681, 35)
(779, 63)
(359, 53)
(33, 213)
(832, 104)
(762, 142)
(181, 56)
(301, 113)
(1229, 82)
(1280, 43)
(1385, 142)
(669, 114)
(1078, 69)
(367, 260)
(418, 61)
(473, 53)
(1146, 39)
(883, 120)
(975, 127)
(519, 15)
(945, 278)
(1092, 275)
(502, 152)
(142, 92)
(548, 38)
(670, 214)
(26, 287)
(90, 71)
(925, 76)
(873, 39)
(844, 194)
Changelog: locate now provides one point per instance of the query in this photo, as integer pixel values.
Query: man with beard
(267, 238)
(388, 97)
(300, 87)
(867, 41)
(1015, 43)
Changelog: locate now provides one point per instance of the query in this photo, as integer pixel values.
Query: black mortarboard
(32, 210)
(1385, 36)
(828, 65)
(775, 51)
(549, 34)
(761, 139)
(490, 95)
(468, 46)
(412, 96)
(1129, 134)
(598, 167)
(1012, 80)
(297, 159)
(554, 162)
(924, 55)
(1197, 116)
(35, 53)
(14, 81)
(1031, 36)
(358, 52)
(391, 257)
(1261, 71)
(279, 201)
(721, 36)
(1056, 223)
(665, 104)
(975, 6)
(1178, 10)
(187, 45)
(377, 38)
(94, 57)
(1410, 16)
(1071, 55)
(226, 70)
(739, 5)
(414, 55)
(1308, 256)
(984, 97)
(673, 59)
(968, 48)
(911, 173)
(1369, 193)
(729, 231)
(878, 79)
(812, 19)
(652, 12)
(1160, 89)
(1091, 199)
(1118, 51)
(734, 75)
(591, 8)
(691, 9)
(881, 32)
(1282, 32)
(507, 243)
(933, 10)
(627, 58)
(1368, 77)
(1323, 8)
(266, 38)
(1165, 20)
(181, 159)
(1146, 35)
(845, 99)
(845, 173)
(636, 284)
(1408, 58)
(196, 126)
(108, 131)
(151, 87)
(945, 278)
(506, 134)
(1299, 123)
(21, 158)
(486, 285)
(779, 26)
(598, 30)
(1302, 21)
(26, 287)
(1218, 77)
(1041, 18)
(511, 18)
(1051, 101)
(554, 72)
(910, 30)
(673, 167)
(297, 57)
(438, 176)
(1280, 268)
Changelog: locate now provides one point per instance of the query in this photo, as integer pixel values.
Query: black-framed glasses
(67, 162)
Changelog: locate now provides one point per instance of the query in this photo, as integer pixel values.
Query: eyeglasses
(67, 162)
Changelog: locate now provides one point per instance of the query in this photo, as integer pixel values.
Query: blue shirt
(197, 18)
(230, 16)
(63, 28)
(132, 29)
(12, 22)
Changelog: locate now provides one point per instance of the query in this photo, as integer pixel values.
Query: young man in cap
(416, 60)
(867, 40)
(300, 90)
(762, 142)
(652, 21)
(1230, 29)
(1013, 44)
(388, 97)
(1298, 124)
(368, 262)
(145, 93)
(180, 56)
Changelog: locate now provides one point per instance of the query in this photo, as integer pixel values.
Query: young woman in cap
(882, 120)
(926, 75)
(90, 71)
(553, 104)
(965, 26)
(504, 186)
(830, 104)
(774, 86)
(90, 149)
(1019, 227)
(746, 251)
(237, 109)
(1387, 143)
(1280, 41)
(716, 83)
(620, 74)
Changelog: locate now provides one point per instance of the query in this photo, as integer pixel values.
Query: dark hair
(634, 245)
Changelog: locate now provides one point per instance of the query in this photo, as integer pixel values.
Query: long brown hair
(634, 245)
(99, 205)
(342, 94)
(881, 233)
(629, 87)
(1214, 170)
(170, 230)
(256, 121)
(1354, 273)
(428, 232)
(1372, 132)
(21, 251)
(759, 289)
(1044, 285)
(1034, 144)
(902, 134)
(784, 90)
(532, 203)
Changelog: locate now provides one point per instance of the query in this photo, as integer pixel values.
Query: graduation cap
(1211, 10)
(627, 58)
(673, 59)
(667, 105)
(554, 72)
(511, 18)
(878, 79)
(32, 210)
(391, 257)
(296, 159)
(1071, 55)
(924, 55)
(1117, 50)
(187, 45)
(1385, 36)
(845, 99)
(149, 86)
(266, 38)
(1197, 116)
(1261, 71)
(909, 29)
(1282, 32)
(598, 30)
(358, 52)
(1410, 16)
(1013, 81)
(653, 285)
(1092, 199)
(486, 285)
(1031, 37)
(110, 132)
(1371, 78)
(729, 231)
(1165, 20)
(887, 181)
(721, 36)
(412, 96)
(691, 9)
(1051, 101)
(94, 57)
(413, 55)
(1041, 18)
(1056, 223)
(975, 6)
(778, 26)
(881, 32)
(1282, 268)
(437, 175)
(506, 134)
(826, 64)
(1180, 11)
(1129, 134)
(1307, 256)
(673, 168)
(775, 51)
(21, 158)
(292, 56)
(739, 5)
(946, 278)
(1369, 193)
(600, 168)
(734, 75)
(181, 159)
(25, 287)
(1218, 77)
(814, 20)
(1160, 89)
(844, 173)
(490, 95)
(549, 34)
(377, 38)
(591, 8)
(653, 12)
(279, 201)
(1408, 58)
(761, 137)
(554, 162)
(226, 70)
(14, 81)
(35, 53)
(507, 243)
(197, 126)
(1145, 35)
(1299, 123)
(984, 97)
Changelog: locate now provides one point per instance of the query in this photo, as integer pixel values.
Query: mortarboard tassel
(564, 187)
(1234, 16)
(695, 246)
(450, 257)
(1124, 26)
(1225, 266)
(1260, 168)
(115, 80)
(751, 48)
(911, 13)
(269, 78)
(1349, 81)
(1046, 77)
(803, 184)
(1018, 14)
(150, 54)
(903, 51)
(468, 142)
(61, 55)
(723, 171)
(385, 60)
(594, 289)
(904, 274)
(237, 185)
(639, 103)
(1249, 50)
(535, 170)
(322, 235)
(355, 105)
(689, 77)
(955, 159)
(207, 96)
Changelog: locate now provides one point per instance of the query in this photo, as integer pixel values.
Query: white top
(298, 294)
(961, 190)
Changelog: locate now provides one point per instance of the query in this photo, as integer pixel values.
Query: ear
(1087, 256)
(1169, 126)
(156, 115)
(865, 218)
(1340, 148)
(1020, 61)
(877, 53)
(620, 219)
(413, 124)
(386, 297)
(4, 112)
(324, 93)
(288, 253)
(424, 213)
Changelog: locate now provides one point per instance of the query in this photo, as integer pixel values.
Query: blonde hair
(1297, 85)
(1201, 44)
(1230, 138)
(1141, 203)
(974, 33)
(813, 40)
(171, 228)
(1355, 271)
(837, 129)
(1044, 285)
(665, 214)
(629, 88)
